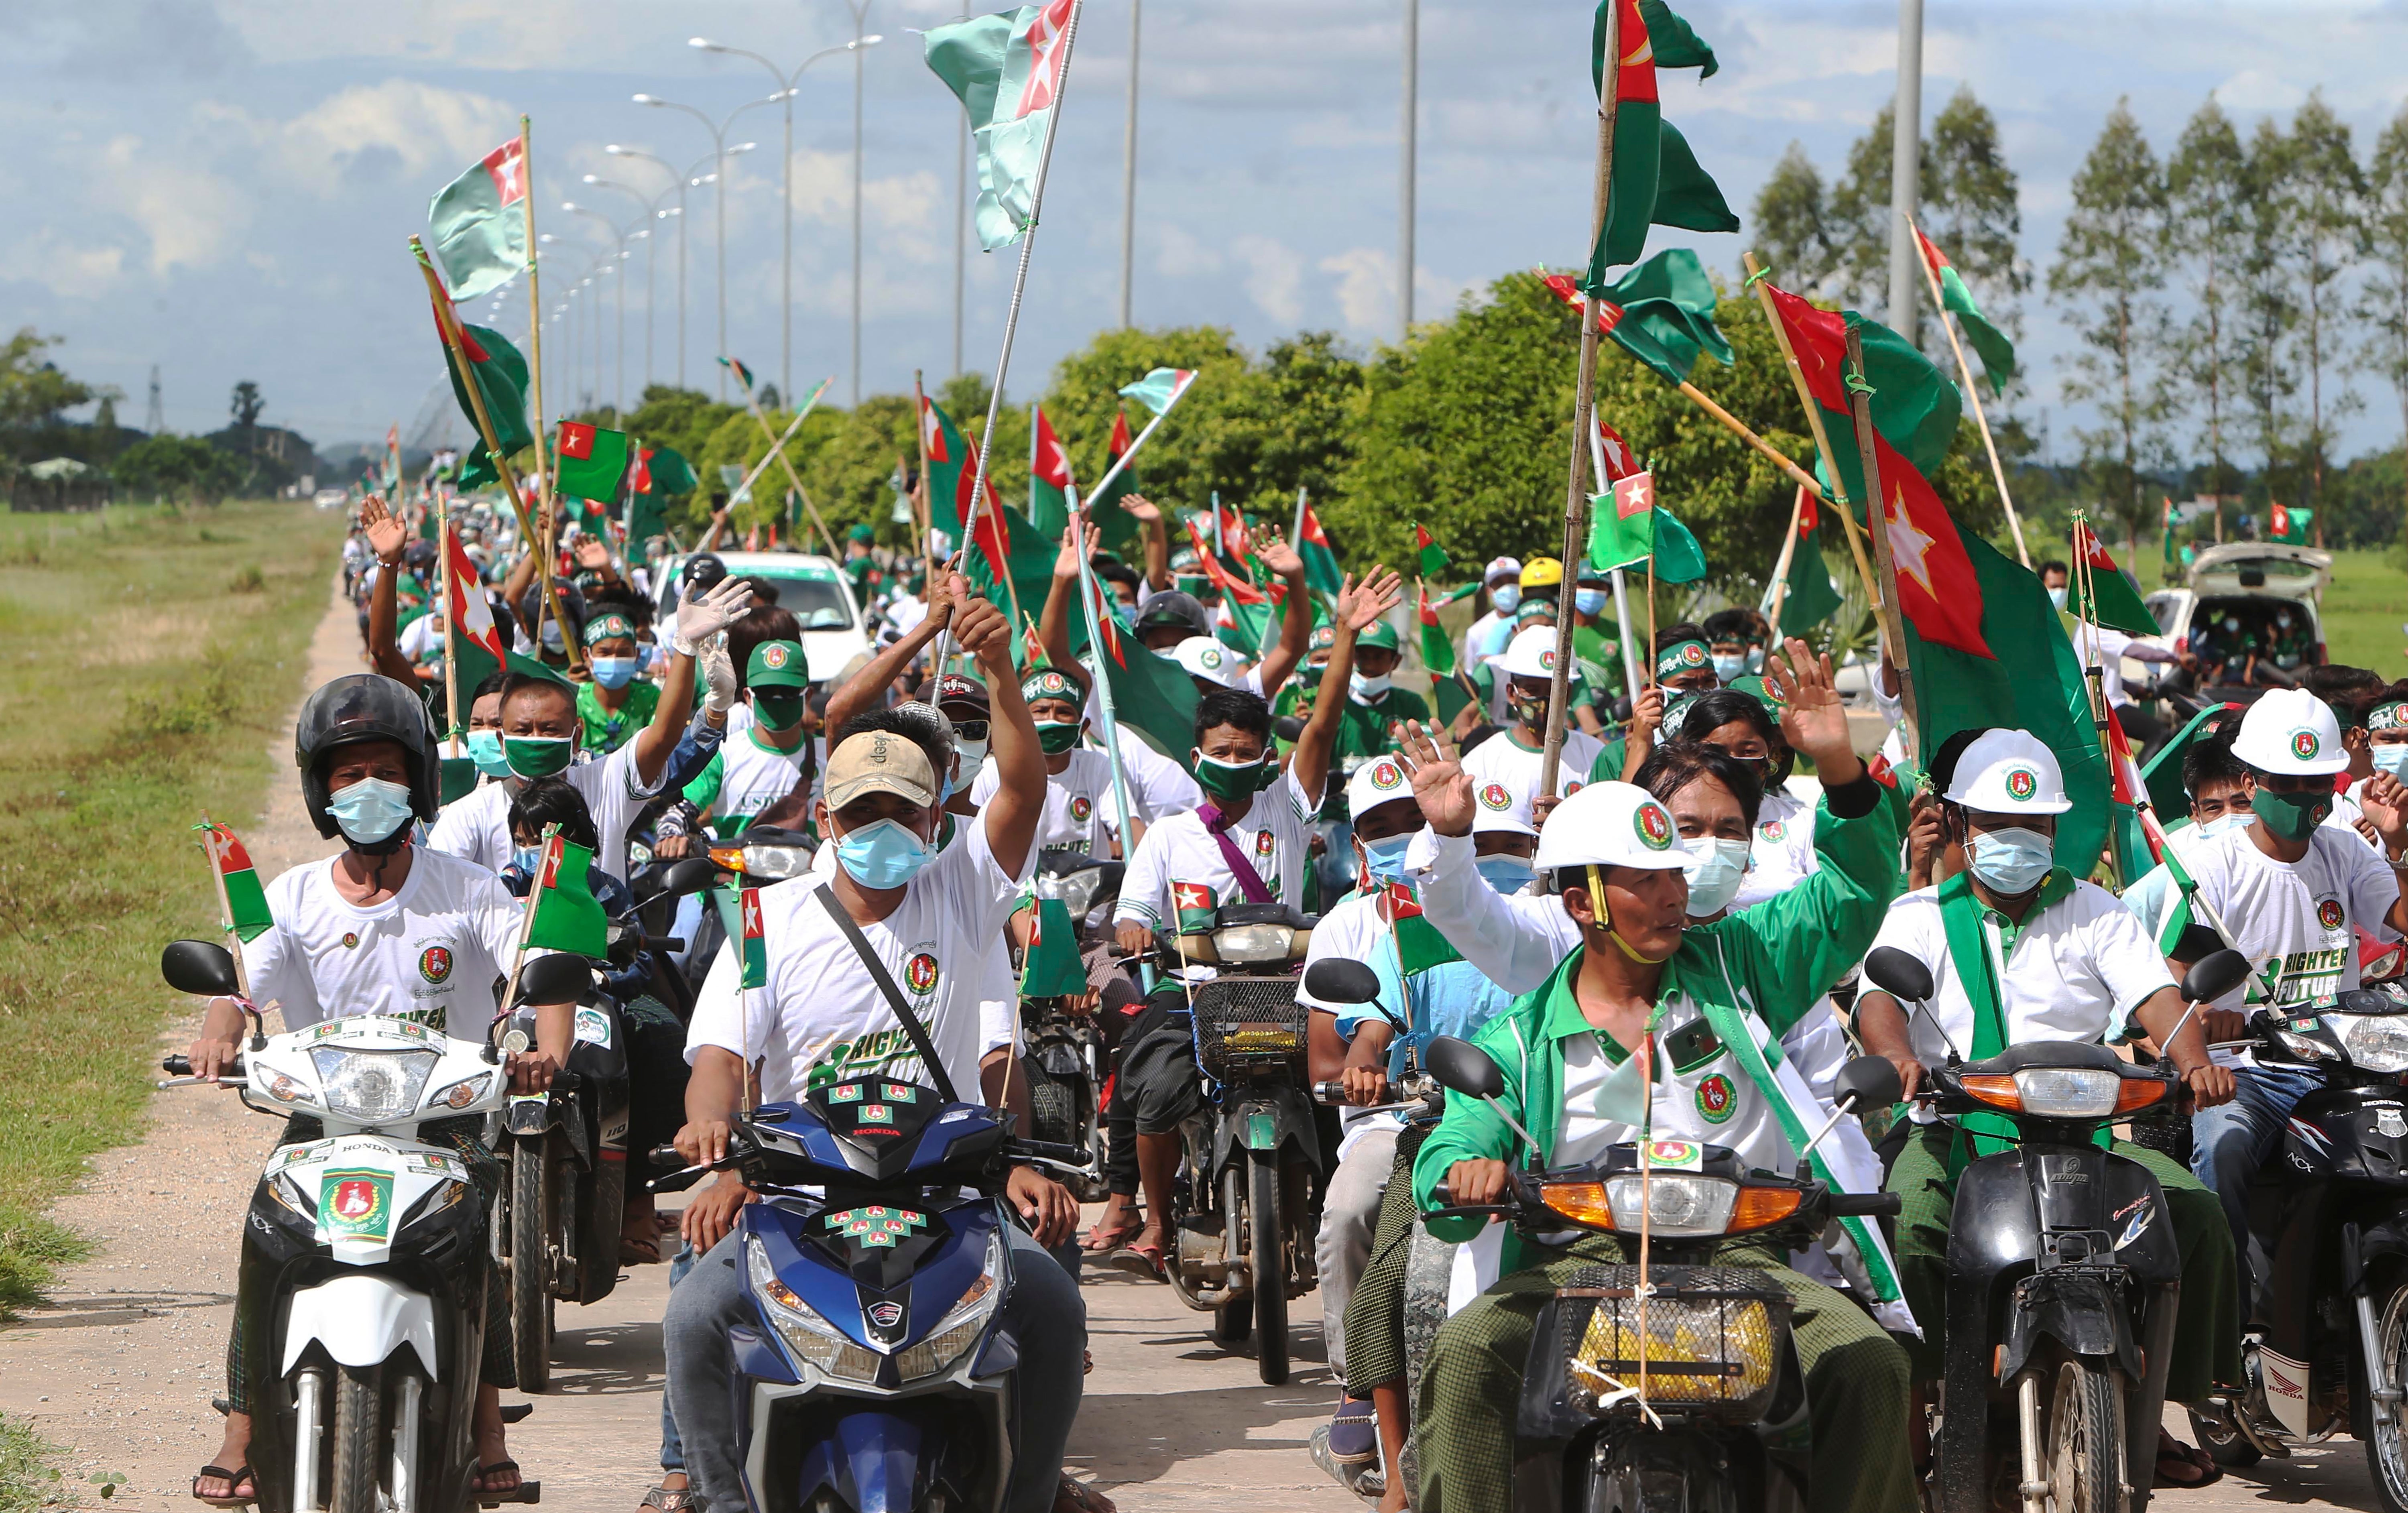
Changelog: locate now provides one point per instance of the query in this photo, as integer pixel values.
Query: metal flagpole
(535, 316)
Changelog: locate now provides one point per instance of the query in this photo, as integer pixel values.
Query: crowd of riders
(1648, 900)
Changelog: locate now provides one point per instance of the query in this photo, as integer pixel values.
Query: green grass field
(2362, 613)
(147, 659)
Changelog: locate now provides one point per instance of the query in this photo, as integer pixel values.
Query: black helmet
(364, 706)
(1174, 607)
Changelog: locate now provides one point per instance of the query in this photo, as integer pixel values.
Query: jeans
(672, 1449)
(2230, 1141)
(1043, 1315)
(1349, 1210)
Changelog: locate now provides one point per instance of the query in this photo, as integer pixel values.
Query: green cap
(862, 532)
(609, 628)
(777, 665)
(1050, 683)
(1760, 690)
(1530, 610)
(1324, 637)
(1682, 657)
(1379, 634)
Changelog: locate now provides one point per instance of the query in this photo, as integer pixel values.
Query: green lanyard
(1964, 919)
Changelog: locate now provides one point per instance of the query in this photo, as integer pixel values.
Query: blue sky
(224, 186)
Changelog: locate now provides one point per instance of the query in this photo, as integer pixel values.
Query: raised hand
(722, 605)
(384, 533)
(1812, 718)
(1441, 786)
(1067, 561)
(1281, 558)
(981, 630)
(592, 554)
(1359, 605)
(1138, 508)
(2385, 799)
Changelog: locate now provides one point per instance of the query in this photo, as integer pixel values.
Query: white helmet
(1611, 824)
(2009, 772)
(1201, 656)
(1380, 780)
(2289, 730)
(1531, 654)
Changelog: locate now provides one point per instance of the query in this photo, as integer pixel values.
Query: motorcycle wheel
(1233, 1320)
(1267, 1232)
(1052, 1111)
(531, 1193)
(2229, 1445)
(2085, 1440)
(2386, 1450)
(359, 1440)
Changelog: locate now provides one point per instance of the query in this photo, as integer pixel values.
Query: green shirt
(608, 732)
(1599, 656)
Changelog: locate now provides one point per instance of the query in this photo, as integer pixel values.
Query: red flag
(1052, 462)
(1820, 339)
(1565, 289)
(1230, 585)
(2278, 522)
(1936, 586)
(576, 440)
(1107, 628)
(1619, 463)
(469, 611)
(1808, 516)
(1120, 442)
(642, 480)
(932, 435)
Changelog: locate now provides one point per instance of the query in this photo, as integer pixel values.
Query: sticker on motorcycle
(886, 1315)
(897, 1093)
(355, 1205)
(593, 1026)
(876, 1225)
(849, 1094)
(1679, 1155)
(2137, 1216)
(436, 1163)
(877, 1114)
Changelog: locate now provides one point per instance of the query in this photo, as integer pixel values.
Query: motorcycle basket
(1249, 1025)
(1713, 1339)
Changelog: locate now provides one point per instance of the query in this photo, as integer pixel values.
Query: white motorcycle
(370, 1251)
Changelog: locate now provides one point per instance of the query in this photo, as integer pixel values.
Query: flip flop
(1140, 1261)
(668, 1499)
(633, 1251)
(1078, 1497)
(2193, 1456)
(233, 1479)
(1102, 1241)
(497, 1468)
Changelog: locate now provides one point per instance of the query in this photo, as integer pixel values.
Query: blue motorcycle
(872, 1374)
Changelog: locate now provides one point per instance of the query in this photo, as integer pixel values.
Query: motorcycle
(2329, 1353)
(1674, 1387)
(363, 1384)
(1242, 1213)
(2063, 1275)
(876, 1263)
(1063, 1053)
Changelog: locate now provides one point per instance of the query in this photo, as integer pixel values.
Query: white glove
(718, 675)
(699, 620)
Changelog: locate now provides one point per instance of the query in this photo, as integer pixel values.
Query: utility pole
(1405, 191)
(154, 419)
(1905, 169)
(1128, 177)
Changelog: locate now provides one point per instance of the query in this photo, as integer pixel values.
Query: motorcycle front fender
(2078, 1310)
(1267, 1120)
(361, 1319)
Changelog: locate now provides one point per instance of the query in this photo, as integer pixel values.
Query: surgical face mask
(1056, 737)
(1505, 873)
(614, 672)
(2011, 862)
(2057, 597)
(778, 710)
(1384, 860)
(2283, 621)
(2390, 759)
(1368, 688)
(526, 859)
(882, 854)
(550, 636)
(1529, 708)
(486, 750)
(973, 757)
(2225, 823)
(1714, 869)
(1756, 658)
(2292, 817)
(369, 811)
(1507, 597)
(1728, 666)
(1227, 781)
(2231, 625)
(1589, 601)
(537, 756)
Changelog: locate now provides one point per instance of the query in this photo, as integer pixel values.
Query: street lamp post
(652, 213)
(860, 13)
(1407, 176)
(678, 183)
(787, 90)
(720, 152)
(1128, 177)
(619, 298)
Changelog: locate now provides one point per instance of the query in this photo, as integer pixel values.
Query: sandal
(1140, 1261)
(668, 1499)
(1078, 1497)
(2194, 1458)
(485, 1473)
(638, 1250)
(1101, 1241)
(234, 1481)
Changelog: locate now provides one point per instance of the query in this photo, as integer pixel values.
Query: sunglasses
(970, 730)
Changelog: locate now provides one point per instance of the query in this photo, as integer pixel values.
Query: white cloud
(188, 214)
(398, 129)
(1367, 288)
(1274, 277)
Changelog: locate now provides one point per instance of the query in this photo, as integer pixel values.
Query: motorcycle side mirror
(556, 978)
(691, 876)
(1463, 1067)
(2215, 975)
(1899, 975)
(201, 967)
(1871, 1081)
(1340, 980)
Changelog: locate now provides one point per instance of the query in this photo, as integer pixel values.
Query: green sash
(1961, 915)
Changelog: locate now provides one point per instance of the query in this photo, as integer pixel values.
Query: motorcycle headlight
(1254, 942)
(1675, 1205)
(289, 1192)
(960, 1329)
(2376, 1042)
(1077, 891)
(777, 861)
(372, 1087)
(461, 1094)
(2060, 1092)
(807, 1338)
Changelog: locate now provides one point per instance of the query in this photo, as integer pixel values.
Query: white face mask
(1507, 597)
(1714, 869)
(971, 756)
(1367, 689)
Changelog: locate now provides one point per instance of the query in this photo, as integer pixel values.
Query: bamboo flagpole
(1860, 402)
(447, 323)
(1584, 403)
(1965, 371)
(777, 450)
(1011, 319)
(1779, 589)
(535, 313)
(1739, 428)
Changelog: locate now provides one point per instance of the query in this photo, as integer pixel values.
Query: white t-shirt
(1158, 786)
(421, 639)
(820, 1018)
(476, 827)
(2294, 919)
(2079, 968)
(1781, 855)
(999, 992)
(1179, 852)
(1076, 801)
(752, 777)
(435, 952)
(1505, 773)
(1352, 929)
(1487, 638)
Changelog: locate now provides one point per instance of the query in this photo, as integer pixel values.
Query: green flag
(566, 916)
(1622, 524)
(1050, 968)
(247, 912)
(501, 377)
(1662, 312)
(591, 461)
(1321, 568)
(1152, 694)
(2103, 595)
(1120, 533)
(669, 473)
(1049, 478)
(1431, 557)
(478, 224)
(740, 914)
(2162, 773)
(1679, 558)
(1656, 179)
(1997, 353)
(1810, 598)
(1007, 70)
(1437, 648)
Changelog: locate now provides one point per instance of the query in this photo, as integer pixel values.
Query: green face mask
(777, 711)
(2291, 817)
(1229, 780)
(537, 756)
(1056, 737)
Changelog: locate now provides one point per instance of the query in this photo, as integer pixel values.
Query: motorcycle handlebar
(175, 1065)
(1044, 1151)
(1866, 1205)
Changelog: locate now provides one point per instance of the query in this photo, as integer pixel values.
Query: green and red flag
(478, 224)
(501, 378)
(1431, 557)
(590, 462)
(740, 915)
(2284, 524)
(1810, 598)
(1622, 524)
(1620, 461)
(1119, 532)
(1195, 905)
(2103, 596)
(1233, 588)
(563, 914)
(1438, 649)
(1049, 478)
(1151, 696)
(1656, 179)
(1161, 389)
(952, 463)
(246, 901)
(1052, 966)
(744, 374)
(1007, 71)
(1997, 353)
(1321, 568)
(1419, 945)
(1662, 312)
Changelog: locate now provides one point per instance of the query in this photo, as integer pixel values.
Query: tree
(1970, 204)
(2383, 302)
(2108, 274)
(2205, 224)
(2324, 186)
(1793, 229)
(33, 391)
(1861, 200)
(182, 469)
(246, 404)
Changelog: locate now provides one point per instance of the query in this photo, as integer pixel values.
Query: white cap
(1501, 567)
(2289, 730)
(1531, 654)
(1611, 824)
(2009, 772)
(1496, 807)
(1380, 780)
(1201, 656)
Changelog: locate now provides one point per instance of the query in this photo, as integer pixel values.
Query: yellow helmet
(1542, 573)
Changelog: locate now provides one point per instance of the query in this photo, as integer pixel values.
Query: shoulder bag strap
(895, 1000)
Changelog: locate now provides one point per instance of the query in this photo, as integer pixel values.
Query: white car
(813, 589)
(2236, 600)
(330, 498)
